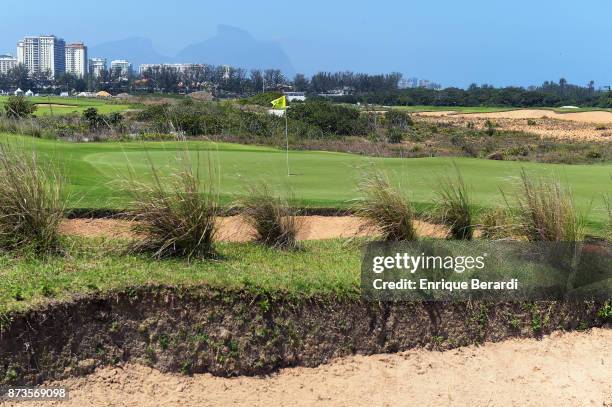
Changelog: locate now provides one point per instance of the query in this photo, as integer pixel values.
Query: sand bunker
(233, 228)
(565, 369)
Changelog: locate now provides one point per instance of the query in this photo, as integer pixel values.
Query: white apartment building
(45, 53)
(76, 59)
(7, 62)
(121, 65)
(180, 68)
(96, 66)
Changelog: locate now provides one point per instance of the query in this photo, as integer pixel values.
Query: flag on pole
(280, 103)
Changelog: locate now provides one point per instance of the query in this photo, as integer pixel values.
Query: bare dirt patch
(234, 229)
(564, 369)
(587, 126)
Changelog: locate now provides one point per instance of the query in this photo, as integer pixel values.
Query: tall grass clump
(32, 202)
(496, 223)
(453, 207)
(272, 219)
(546, 212)
(384, 208)
(175, 214)
(608, 204)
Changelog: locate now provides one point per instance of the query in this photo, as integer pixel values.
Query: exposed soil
(231, 333)
(564, 369)
(587, 126)
(234, 229)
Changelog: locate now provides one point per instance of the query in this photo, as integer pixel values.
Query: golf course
(57, 106)
(94, 173)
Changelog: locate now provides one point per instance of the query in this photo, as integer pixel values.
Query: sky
(455, 43)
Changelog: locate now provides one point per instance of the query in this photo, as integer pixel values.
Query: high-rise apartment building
(45, 53)
(7, 62)
(76, 59)
(97, 66)
(122, 66)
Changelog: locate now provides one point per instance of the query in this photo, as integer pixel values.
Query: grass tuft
(453, 207)
(546, 212)
(175, 214)
(32, 202)
(273, 220)
(384, 208)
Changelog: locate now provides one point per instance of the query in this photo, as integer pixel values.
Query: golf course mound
(229, 333)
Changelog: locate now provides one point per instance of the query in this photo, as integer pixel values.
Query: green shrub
(274, 222)
(32, 202)
(394, 136)
(18, 107)
(382, 207)
(331, 118)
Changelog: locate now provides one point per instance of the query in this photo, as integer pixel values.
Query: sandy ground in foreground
(233, 228)
(564, 369)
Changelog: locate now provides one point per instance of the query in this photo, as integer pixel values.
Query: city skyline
(522, 43)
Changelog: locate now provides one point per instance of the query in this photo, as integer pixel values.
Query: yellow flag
(280, 103)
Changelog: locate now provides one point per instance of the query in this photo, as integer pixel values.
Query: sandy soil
(582, 126)
(601, 117)
(565, 369)
(233, 229)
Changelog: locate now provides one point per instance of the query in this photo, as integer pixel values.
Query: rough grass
(384, 208)
(327, 267)
(271, 217)
(454, 207)
(175, 214)
(545, 211)
(32, 202)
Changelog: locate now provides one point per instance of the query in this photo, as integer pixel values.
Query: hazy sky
(514, 42)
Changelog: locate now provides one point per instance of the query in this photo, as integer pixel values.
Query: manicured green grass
(323, 179)
(93, 265)
(62, 106)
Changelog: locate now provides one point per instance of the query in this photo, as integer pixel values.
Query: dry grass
(32, 202)
(453, 207)
(175, 214)
(546, 212)
(272, 219)
(384, 208)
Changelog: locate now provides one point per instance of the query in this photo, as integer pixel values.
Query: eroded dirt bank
(198, 330)
(564, 369)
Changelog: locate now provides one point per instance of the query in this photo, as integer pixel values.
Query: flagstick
(287, 140)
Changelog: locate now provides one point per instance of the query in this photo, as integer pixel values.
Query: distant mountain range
(230, 46)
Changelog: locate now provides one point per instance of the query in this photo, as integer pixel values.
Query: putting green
(94, 171)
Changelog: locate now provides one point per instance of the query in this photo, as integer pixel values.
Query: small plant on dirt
(490, 128)
(531, 122)
(272, 219)
(453, 207)
(546, 212)
(605, 312)
(601, 127)
(175, 215)
(32, 202)
(385, 209)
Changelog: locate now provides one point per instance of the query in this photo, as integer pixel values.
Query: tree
(18, 107)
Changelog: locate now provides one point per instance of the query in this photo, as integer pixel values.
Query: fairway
(61, 105)
(322, 179)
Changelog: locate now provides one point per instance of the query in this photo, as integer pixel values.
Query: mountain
(137, 50)
(235, 47)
